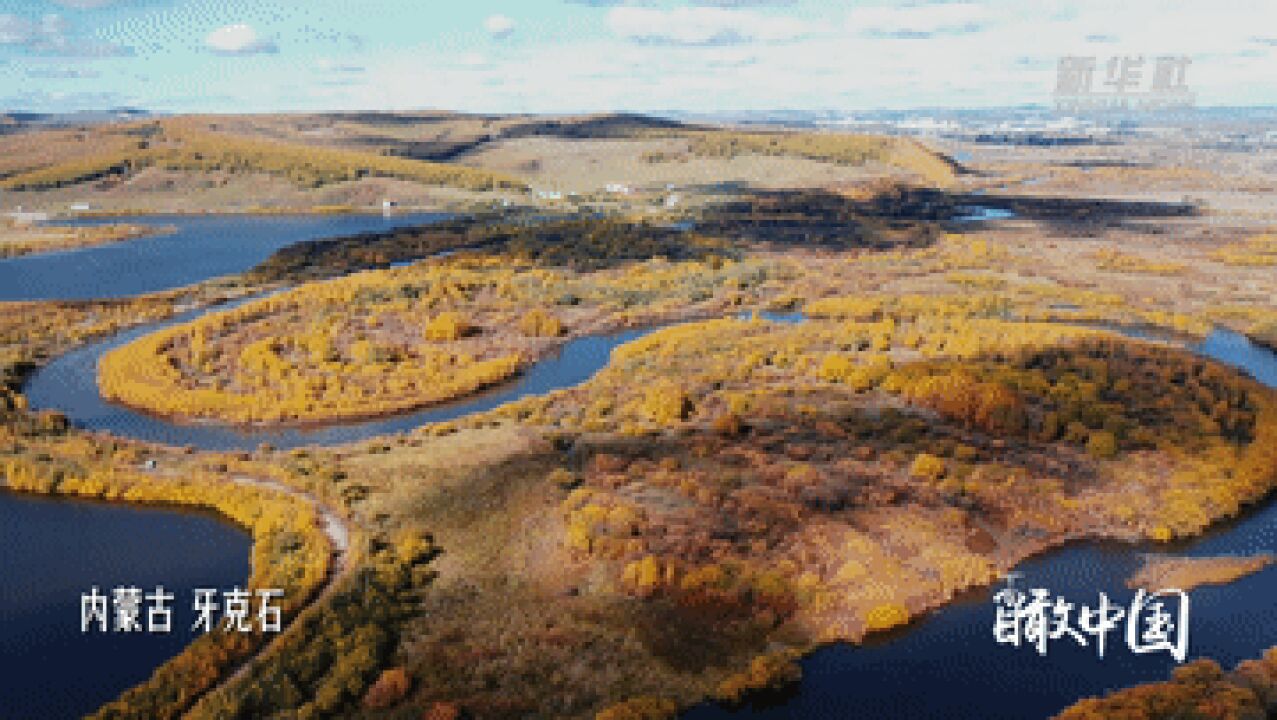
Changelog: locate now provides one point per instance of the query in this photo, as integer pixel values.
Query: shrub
(447, 326)
(666, 404)
(885, 617)
(391, 687)
(772, 671)
(1102, 444)
(539, 323)
(927, 467)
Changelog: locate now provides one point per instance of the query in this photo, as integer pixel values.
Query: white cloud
(702, 26)
(473, 60)
(83, 4)
(725, 55)
(498, 26)
(50, 36)
(59, 73)
(334, 66)
(53, 25)
(15, 30)
(916, 21)
(744, 3)
(238, 39)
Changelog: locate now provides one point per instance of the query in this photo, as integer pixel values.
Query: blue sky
(606, 55)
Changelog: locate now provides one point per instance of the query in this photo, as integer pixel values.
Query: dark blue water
(52, 550)
(947, 665)
(201, 247)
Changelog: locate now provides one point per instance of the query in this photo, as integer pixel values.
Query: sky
(563, 56)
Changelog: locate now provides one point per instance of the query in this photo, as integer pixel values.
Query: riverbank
(301, 568)
(195, 249)
(58, 548)
(376, 359)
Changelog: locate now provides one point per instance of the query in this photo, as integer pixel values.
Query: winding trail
(337, 531)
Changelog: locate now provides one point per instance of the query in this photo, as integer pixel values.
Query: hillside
(355, 160)
(183, 145)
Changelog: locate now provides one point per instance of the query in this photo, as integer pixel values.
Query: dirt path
(338, 533)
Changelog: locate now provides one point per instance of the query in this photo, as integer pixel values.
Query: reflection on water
(981, 214)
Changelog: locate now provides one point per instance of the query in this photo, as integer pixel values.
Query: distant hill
(68, 158)
(178, 155)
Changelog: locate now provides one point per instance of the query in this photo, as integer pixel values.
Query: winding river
(944, 665)
(69, 384)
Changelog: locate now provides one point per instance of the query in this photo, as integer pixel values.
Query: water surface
(200, 247)
(54, 549)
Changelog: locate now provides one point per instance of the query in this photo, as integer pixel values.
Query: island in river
(18, 239)
(1186, 573)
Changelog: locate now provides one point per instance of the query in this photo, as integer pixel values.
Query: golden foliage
(388, 341)
(391, 687)
(927, 467)
(841, 148)
(666, 404)
(640, 708)
(141, 375)
(1200, 689)
(644, 576)
(1102, 444)
(1259, 251)
(772, 671)
(16, 242)
(448, 326)
(539, 323)
(885, 617)
(1116, 261)
(181, 146)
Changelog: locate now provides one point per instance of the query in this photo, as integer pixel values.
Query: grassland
(838, 148)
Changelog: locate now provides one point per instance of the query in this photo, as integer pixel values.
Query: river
(69, 384)
(198, 247)
(943, 665)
